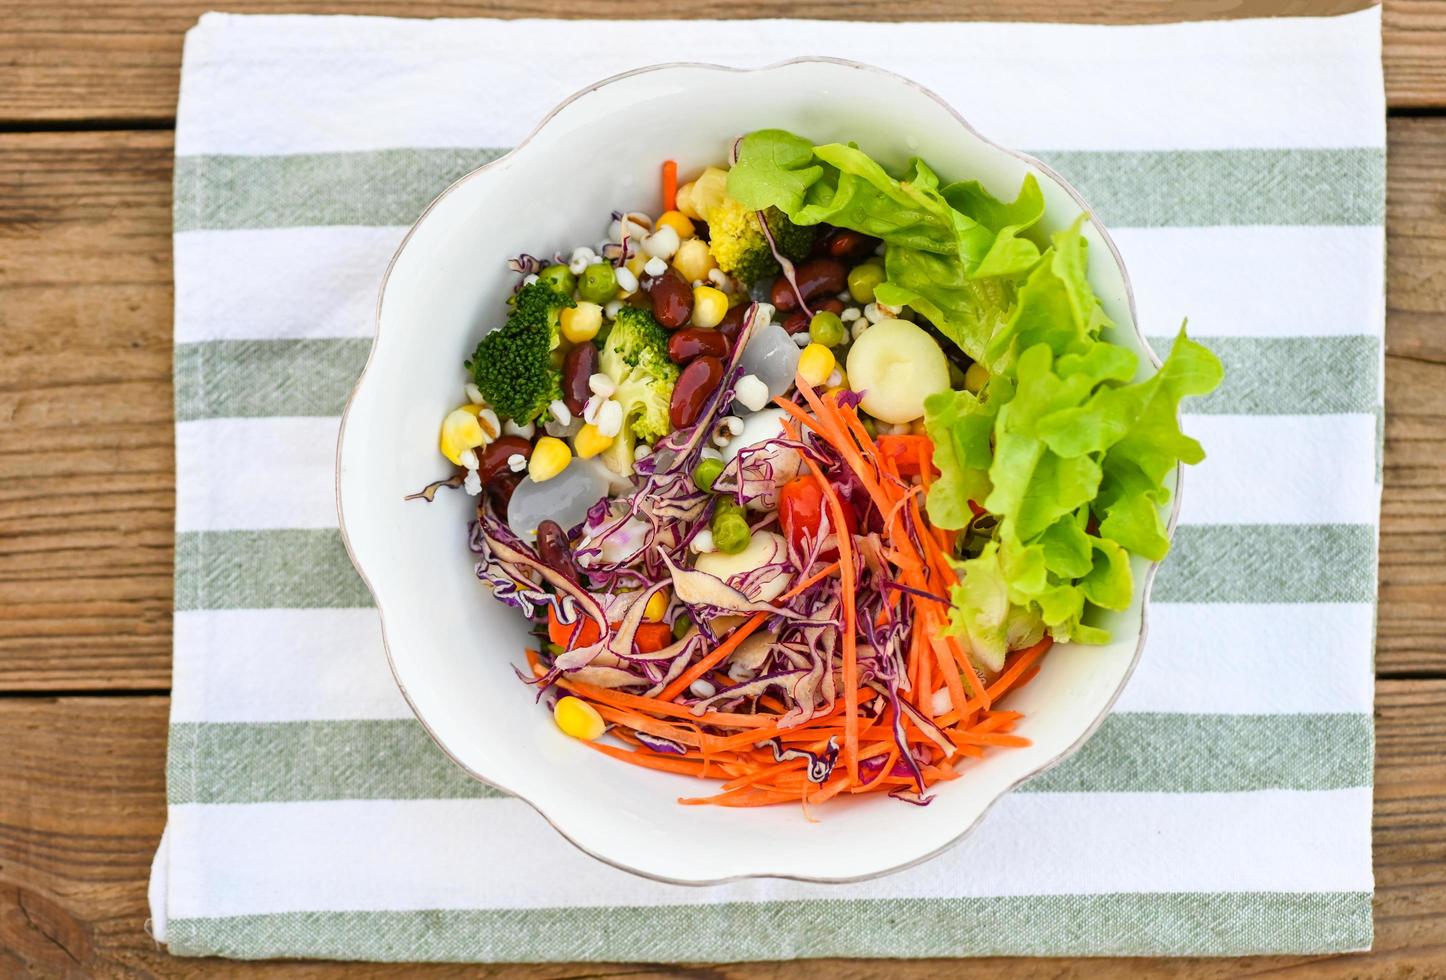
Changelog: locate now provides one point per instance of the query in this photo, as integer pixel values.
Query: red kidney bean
(672, 299)
(555, 551)
(832, 305)
(697, 382)
(691, 342)
(796, 322)
(816, 277)
(851, 245)
(579, 365)
(732, 324)
(500, 491)
(492, 463)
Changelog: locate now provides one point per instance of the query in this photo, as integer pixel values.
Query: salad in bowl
(798, 473)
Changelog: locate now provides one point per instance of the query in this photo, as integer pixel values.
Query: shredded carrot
(741, 633)
(740, 748)
(850, 627)
(670, 185)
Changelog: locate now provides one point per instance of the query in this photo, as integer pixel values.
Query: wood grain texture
(85, 326)
(82, 806)
(86, 459)
(116, 61)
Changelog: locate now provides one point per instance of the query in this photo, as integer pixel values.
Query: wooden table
(87, 104)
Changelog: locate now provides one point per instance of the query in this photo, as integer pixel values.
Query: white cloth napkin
(1225, 808)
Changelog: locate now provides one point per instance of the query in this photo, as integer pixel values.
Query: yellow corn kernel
(693, 259)
(636, 263)
(975, 377)
(581, 322)
(684, 199)
(589, 441)
(918, 428)
(710, 306)
(815, 364)
(461, 431)
(578, 718)
(549, 457)
(678, 221)
(657, 607)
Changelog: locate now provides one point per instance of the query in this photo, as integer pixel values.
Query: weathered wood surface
(82, 59)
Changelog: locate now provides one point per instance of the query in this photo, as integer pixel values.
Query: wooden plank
(78, 60)
(86, 464)
(86, 459)
(82, 806)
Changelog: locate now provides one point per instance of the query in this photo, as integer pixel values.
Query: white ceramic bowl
(452, 647)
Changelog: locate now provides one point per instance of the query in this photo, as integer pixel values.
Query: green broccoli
(514, 366)
(635, 357)
(794, 241)
(740, 247)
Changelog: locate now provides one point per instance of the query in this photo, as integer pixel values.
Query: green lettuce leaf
(1067, 447)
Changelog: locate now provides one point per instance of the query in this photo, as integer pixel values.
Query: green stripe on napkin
(1144, 189)
(1124, 924)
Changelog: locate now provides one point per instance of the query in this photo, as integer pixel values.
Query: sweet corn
(636, 263)
(684, 200)
(676, 220)
(581, 323)
(815, 364)
(461, 431)
(975, 378)
(693, 260)
(578, 718)
(657, 606)
(549, 457)
(710, 306)
(589, 441)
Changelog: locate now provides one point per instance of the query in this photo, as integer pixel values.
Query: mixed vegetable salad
(798, 480)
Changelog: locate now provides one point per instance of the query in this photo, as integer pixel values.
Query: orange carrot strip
(747, 796)
(1028, 657)
(799, 414)
(850, 639)
(948, 667)
(670, 185)
(720, 719)
(650, 760)
(988, 738)
(652, 726)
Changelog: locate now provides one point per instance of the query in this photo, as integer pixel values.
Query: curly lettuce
(1069, 452)
(1066, 447)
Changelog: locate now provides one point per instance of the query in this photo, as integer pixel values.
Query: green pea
(863, 280)
(561, 277)
(730, 528)
(706, 473)
(826, 328)
(870, 426)
(682, 625)
(599, 283)
(975, 378)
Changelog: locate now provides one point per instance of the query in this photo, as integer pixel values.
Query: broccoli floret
(514, 366)
(635, 357)
(736, 240)
(740, 247)
(794, 241)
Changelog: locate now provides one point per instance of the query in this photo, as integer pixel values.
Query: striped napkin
(1224, 808)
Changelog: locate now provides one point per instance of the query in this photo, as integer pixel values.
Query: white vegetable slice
(764, 548)
(896, 365)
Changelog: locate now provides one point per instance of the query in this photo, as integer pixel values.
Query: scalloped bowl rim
(1143, 589)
